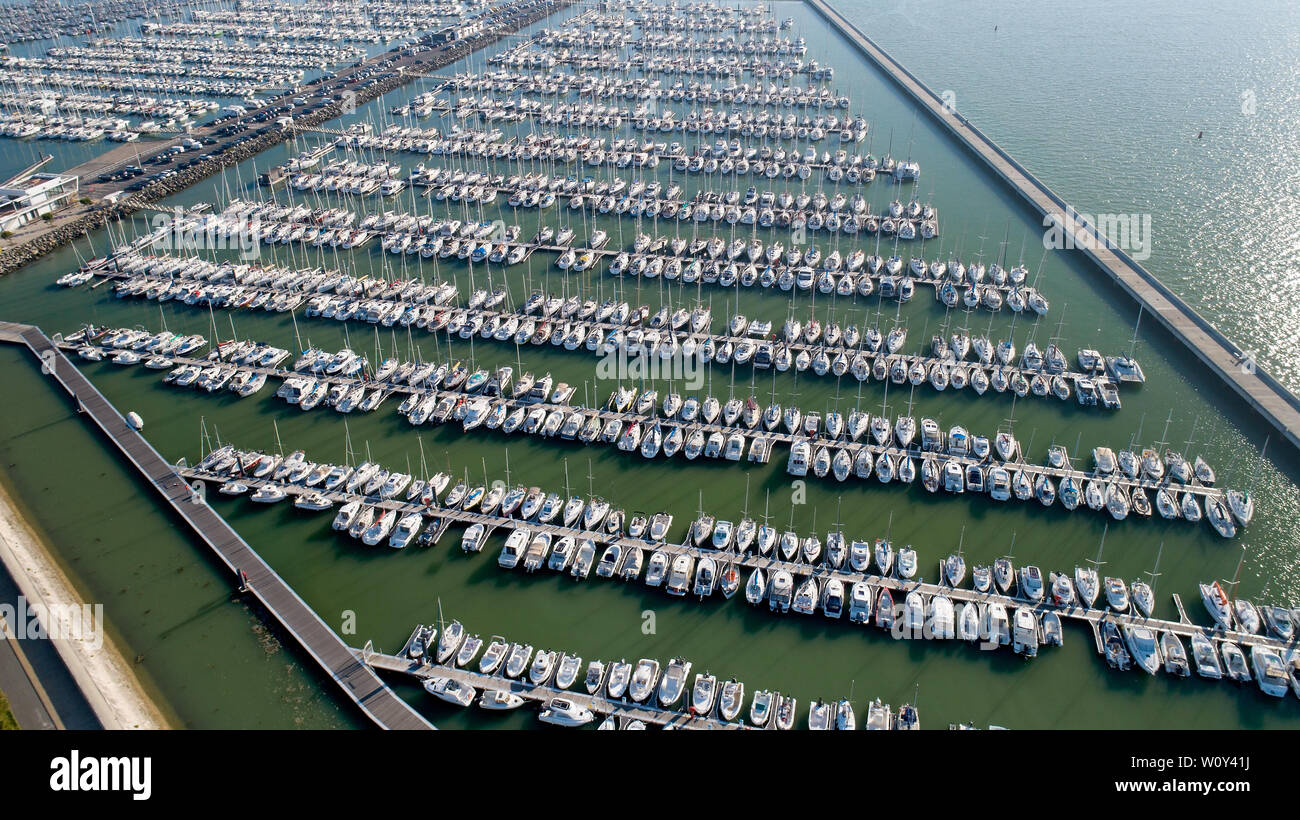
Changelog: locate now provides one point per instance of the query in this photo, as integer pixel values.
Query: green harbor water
(212, 663)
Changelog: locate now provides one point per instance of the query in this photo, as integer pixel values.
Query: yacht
(1031, 583)
(1270, 673)
(1142, 644)
(449, 690)
(1116, 594)
(1206, 659)
(563, 712)
(673, 682)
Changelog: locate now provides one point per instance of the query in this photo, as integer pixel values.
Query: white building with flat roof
(30, 196)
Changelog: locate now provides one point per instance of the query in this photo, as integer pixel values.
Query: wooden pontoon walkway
(358, 681)
(1258, 389)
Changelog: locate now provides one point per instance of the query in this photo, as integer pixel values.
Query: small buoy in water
(133, 419)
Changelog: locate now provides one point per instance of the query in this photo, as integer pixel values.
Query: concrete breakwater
(1260, 391)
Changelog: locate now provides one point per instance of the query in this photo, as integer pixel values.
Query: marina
(388, 303)
(240, 472)
(692, 706)
(447, 393)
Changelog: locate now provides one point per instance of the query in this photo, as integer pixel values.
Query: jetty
(1259, 390)
(358, 681)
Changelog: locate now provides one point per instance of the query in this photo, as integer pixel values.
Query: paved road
(41, 691)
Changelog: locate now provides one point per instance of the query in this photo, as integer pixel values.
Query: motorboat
(543, 666)
(731, 700)
(1206, 659)
(1031, 583)
(564, 712)
(450, 691)
(1024, 632)
(1116, 653)
(644, 678)
(673, 683)
(879, 716)
(499, 700)
(760, 709)
(703, 694)
(493, 657)
(1062, 590)
(1053, 635)
(517, 660)
(1116, 594)
(566, 673)
(1234, 662)
(1270, 673)
(1143, 646)
(620, 676)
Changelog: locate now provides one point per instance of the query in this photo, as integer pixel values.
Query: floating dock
(759, 440)
(1088, 617)
(627, 710)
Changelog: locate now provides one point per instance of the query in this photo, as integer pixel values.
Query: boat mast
(1236, 576)
(1155, 571)
(1097, 562)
